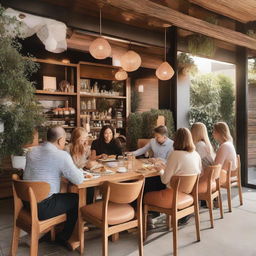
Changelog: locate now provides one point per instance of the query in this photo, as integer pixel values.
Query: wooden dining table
(139, 167)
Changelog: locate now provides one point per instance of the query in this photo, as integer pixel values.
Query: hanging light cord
(100, 21)
(164, 44)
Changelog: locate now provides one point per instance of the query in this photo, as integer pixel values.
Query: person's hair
(183, 140)
(199, 133)
(54, 133)
(76, 148)
(102, 131)
(223, 130)
(162, 130)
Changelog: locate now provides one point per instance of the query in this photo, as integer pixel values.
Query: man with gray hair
(48, 163)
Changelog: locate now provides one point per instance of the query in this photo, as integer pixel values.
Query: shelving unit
(104, 75)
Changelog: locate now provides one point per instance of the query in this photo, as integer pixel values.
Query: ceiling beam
(170, 16)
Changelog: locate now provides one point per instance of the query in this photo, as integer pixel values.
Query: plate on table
(89, 175)
(121, 169)
(112, 164)
(110, 159)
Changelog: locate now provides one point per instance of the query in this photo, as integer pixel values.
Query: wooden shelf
(83, 95)
(56, 93)
(54, 62)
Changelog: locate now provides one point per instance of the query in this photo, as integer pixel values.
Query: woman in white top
(184, 160)
(226, 151)
(203, 145)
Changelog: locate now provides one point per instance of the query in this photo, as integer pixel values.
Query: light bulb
(130, 61)
(100, 48)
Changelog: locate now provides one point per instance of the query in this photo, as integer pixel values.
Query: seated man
(48, 162)
(161, 145)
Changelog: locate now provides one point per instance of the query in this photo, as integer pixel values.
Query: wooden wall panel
(149, 98)
(252, 125)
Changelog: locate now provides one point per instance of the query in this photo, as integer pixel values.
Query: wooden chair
(233, 179)
(209, 189)
(33, 192)
(184, 201)
(114, 214)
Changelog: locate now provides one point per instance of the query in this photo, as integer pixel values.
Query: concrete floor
(234, 235)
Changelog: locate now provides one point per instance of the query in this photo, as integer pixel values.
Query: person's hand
(90, 164)
(103, 156)
(160, 165)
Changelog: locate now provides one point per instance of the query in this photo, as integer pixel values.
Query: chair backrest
(184, 184)
(125, 192)
(213, 171)
(40, 189)
(142, 142)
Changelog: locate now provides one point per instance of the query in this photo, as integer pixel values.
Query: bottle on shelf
(94, 103)
(89, 104)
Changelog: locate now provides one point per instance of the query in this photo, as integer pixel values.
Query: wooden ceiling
(240, 10)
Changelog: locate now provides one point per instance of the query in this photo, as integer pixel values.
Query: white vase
(18, 162)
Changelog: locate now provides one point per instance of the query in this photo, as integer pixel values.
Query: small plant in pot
(19, 111)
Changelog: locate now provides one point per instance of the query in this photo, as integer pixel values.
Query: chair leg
(175, 230)
(140, 235)
(197, 221)
(229, 198)
(145, 211)
(210, 203)
(169, 222)
(220, 204)
(115, 237)
(53, 234)
(104, 244)
(34, 242)
(240, 191)
(15, 240)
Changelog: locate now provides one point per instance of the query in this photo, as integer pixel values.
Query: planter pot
(19, 162)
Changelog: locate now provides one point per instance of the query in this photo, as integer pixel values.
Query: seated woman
(184, 160)
(80, 152)
(78, 147)
(202, 143)
(226, 151)
(106, 144)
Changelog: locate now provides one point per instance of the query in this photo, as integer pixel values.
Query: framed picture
(49, 83)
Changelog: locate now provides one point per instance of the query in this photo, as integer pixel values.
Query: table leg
(77, 238)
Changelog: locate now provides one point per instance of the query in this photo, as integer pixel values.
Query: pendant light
(121, 75)
(130, 61)
(100, 47)
(164, 71)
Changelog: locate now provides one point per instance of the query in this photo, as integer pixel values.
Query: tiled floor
(234, 235)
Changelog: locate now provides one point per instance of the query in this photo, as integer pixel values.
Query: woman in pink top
(226, 151)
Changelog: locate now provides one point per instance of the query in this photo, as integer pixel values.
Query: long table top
(137, 170)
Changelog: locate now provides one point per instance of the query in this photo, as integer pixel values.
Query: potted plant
(19, 111)
(140, 126)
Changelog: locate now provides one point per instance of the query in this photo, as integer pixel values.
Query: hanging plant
(186, 64)
(200, 44)
(251, 29)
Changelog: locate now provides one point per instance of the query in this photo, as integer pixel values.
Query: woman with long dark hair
(106, 144)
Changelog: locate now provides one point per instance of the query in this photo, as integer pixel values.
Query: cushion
(117, 213)
(164, 198)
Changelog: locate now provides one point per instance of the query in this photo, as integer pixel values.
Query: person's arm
(221, 156)
(142, 151)
(170, 169)
(70, 171)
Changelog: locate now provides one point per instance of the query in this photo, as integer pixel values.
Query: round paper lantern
(164, 71)
(130, 61)
(121, 75)
(100, 48)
